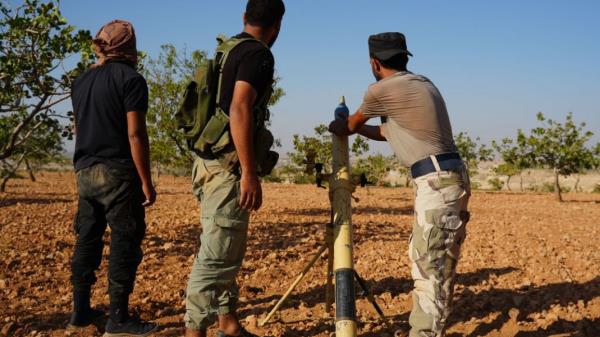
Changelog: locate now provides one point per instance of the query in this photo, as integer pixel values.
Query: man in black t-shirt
(113, 177)
(228, 197)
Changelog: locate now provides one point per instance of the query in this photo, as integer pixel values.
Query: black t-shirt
(101, 98)
(251, 62)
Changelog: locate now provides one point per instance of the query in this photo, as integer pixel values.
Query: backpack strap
(225, 47)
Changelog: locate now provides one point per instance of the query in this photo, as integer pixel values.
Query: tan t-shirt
(416, 122)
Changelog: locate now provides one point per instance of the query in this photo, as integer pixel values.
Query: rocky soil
(530, 266)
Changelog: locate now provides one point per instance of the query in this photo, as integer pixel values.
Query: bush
(547, 187)
(303, 179)
(596, 189)
(496, 184)
(272, 178)
(532, 188)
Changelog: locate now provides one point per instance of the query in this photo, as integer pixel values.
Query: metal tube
(293, 286)
(343, 264)
(329, 291)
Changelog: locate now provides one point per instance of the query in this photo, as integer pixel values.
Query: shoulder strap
(222, 53)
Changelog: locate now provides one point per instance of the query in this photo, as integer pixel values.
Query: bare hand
(339, 127)
(150, 194)
(251, 192)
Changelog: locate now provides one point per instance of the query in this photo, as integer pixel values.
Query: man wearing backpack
(416, 124)
(113, 177)
(231, 151)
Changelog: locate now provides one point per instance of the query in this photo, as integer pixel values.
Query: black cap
(386, 45)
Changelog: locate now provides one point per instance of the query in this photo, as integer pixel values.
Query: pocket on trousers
(450, 187)
(452, 193)
(445, 218)
(225, 240)
(448, 231)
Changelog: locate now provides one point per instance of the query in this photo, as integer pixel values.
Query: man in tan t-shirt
(416, 124)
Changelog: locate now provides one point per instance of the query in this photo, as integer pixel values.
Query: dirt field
(530, 266)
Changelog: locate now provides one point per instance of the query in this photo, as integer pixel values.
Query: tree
(35, 43)
(517, 156)
(376, 167)
(167, 76)
(471, 152)
(561, 147)
(597, 156)
(44, 146)
(318, 147)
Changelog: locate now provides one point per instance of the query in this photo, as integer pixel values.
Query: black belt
(447, 162)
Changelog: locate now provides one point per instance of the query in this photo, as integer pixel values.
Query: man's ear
(244, 19)
(376, 64)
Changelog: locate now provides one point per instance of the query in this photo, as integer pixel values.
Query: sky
(497, 63)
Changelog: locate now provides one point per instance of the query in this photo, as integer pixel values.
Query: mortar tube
(343, 265)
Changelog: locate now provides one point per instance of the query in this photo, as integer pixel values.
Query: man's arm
(356, 124)
(140, 151)
(373, 132)
(241, 123)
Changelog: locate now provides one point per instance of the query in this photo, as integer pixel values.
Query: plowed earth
(530, 266)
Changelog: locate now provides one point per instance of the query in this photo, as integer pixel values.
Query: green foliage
(360, 146)
(506, 169)
(376, 167)
(35, 42)
(496, 183)
(167, 76)
(596, 188)
(596, 153)
(561, 147)
(42, 147)
(516, 155)
(318, 146)
(547, 187)
(471, 152)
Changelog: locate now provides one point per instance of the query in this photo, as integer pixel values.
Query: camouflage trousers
(439, 230)
(212, 288)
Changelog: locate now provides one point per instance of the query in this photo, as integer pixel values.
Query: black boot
(120, 324)
(83, 315)
(81, 319)
(132, 327)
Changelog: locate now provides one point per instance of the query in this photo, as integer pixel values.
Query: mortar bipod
(329, 293)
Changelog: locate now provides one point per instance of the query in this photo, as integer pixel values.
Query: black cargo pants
(113, 196)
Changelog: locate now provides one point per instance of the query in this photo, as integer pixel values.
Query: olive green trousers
(212, 288)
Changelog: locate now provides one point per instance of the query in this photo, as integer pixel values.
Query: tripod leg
(329, 290)
(368, 294)
(296, 281)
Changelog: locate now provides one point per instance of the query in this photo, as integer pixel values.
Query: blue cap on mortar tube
(342, 112)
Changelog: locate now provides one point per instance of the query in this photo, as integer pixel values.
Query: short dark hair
(396, 62)
(264, 13)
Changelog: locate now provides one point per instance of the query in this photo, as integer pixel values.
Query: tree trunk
(576, 187)
(9, 172)
(4, 181)
(157, 174)
(508, 182)
(557, 191)
(521, 181)
(30, 171)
